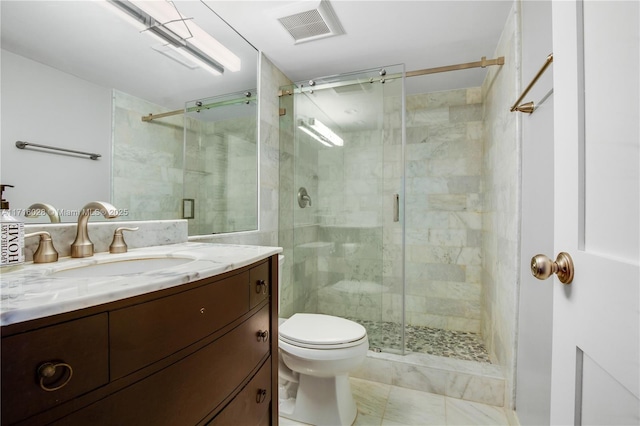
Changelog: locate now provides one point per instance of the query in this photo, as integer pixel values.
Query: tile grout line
(386, 404)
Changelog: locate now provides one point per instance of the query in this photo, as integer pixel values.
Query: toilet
(317, 352)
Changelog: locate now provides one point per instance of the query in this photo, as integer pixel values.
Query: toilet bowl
(320, 351)
(317, 352)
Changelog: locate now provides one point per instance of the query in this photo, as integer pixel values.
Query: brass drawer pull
(261, 396)
(48, 370)
(261, 287)
(263, 336)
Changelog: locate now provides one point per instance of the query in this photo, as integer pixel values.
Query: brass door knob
(542, 267)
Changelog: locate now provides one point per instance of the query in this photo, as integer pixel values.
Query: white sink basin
(122, 267)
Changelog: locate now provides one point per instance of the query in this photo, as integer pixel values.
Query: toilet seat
(318, 331)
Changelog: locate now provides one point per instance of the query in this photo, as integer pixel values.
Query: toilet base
(320, 401)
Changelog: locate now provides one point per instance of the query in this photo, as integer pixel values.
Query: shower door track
(482, 63)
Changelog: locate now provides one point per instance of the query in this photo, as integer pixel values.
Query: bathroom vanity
(189, 344)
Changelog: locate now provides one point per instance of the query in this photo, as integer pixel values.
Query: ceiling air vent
(309, 20)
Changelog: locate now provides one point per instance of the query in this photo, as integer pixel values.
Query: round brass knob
(48, 370)
(542, 267)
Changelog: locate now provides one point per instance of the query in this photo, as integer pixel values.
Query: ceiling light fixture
(320, 132)
(162, 19)
(325, 131)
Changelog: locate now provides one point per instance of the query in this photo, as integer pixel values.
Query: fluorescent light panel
(162, 19)
(320, 132)
(308, 130)
(325, 131)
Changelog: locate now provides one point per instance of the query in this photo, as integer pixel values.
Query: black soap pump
(11, 235)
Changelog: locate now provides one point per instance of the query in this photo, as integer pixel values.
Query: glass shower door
(345, 190)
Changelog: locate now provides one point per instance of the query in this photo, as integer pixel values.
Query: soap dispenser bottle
(11, 235)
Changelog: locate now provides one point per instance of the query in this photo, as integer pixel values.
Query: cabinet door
(77, 356)
(189, 390)
(148, 332)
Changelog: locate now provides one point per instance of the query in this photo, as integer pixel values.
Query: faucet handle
(46, 252)
(118, 245)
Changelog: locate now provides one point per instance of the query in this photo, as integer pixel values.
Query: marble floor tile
(286, 422)
(386, 405)
(371, 397)
(467, 413)
(410, 407)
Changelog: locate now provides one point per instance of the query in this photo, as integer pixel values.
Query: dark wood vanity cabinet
(198, 354)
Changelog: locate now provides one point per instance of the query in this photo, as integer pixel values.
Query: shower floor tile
(434, 341)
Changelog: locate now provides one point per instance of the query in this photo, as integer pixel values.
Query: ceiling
(420, 34)
(87, 40)
(90, 40)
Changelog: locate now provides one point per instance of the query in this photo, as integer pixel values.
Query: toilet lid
(320, 330)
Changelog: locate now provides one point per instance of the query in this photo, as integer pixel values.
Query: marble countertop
(34, 291)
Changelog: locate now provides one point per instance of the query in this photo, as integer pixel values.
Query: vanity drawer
(148, 332)
(81, 345)
(259, 284)
(188, 390)
(251, 404)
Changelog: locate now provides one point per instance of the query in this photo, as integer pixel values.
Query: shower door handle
(396, 208)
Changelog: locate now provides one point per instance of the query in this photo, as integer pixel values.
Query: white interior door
(595, 371)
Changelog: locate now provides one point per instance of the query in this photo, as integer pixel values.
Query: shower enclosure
(380, 210)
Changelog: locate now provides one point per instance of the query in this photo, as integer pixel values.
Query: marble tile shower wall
(501, 226)
(444, 209)
(148, 167)
(286, 203)
(242, 175)
(349, 248)
(270, 80)
(199, 168)
(305, 233)
(219, 158)
(348, 236)
(147, 160)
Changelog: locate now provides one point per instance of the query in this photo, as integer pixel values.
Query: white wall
(45, 106)
(536, 297)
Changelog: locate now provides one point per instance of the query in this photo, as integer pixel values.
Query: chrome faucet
(82, 246)
(35, 209)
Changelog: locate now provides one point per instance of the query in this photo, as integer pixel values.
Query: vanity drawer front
(251, 404)
(259, 284)
(187, 391)
(148, 332)
(80, 344)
